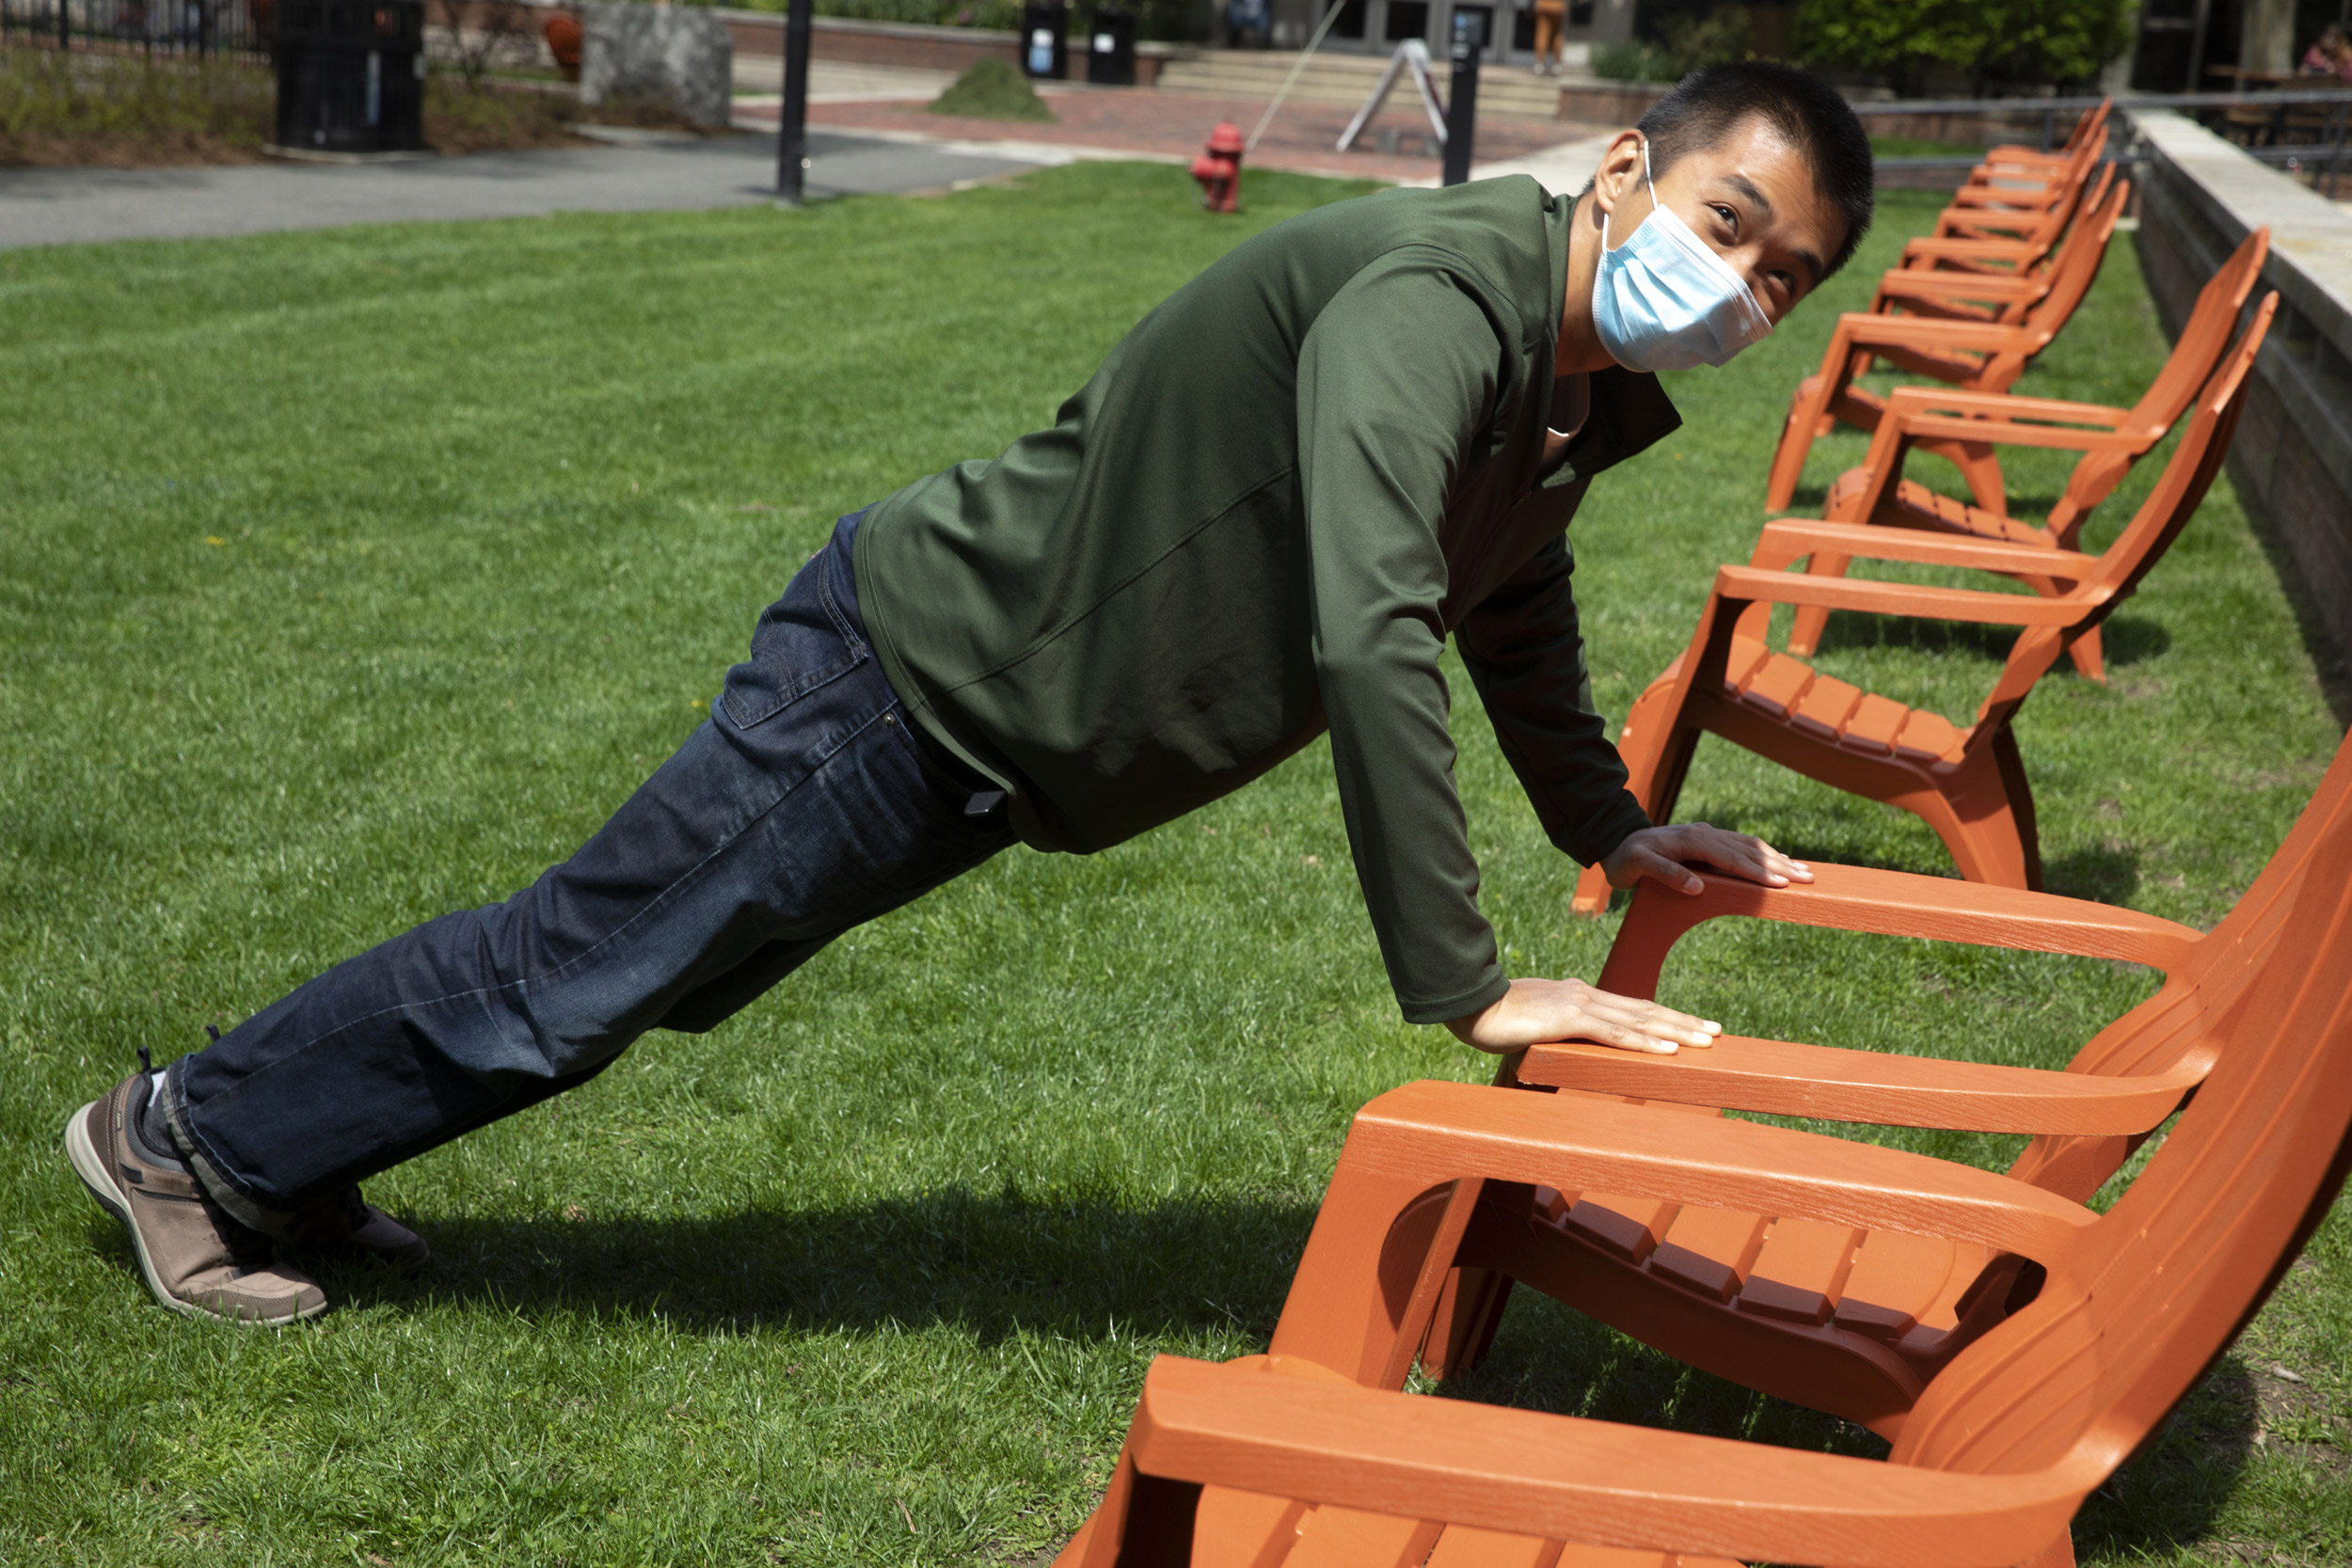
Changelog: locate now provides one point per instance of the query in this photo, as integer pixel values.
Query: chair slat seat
(1811, 707)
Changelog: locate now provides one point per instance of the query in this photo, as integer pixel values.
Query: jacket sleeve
(1398, 377)
(1526, 657)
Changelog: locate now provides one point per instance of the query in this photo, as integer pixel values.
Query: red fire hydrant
(1218, 169)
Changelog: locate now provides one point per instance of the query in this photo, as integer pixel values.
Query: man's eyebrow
(1747, 187)
(1748, 190)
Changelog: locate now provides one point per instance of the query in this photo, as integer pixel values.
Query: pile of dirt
(991, 90)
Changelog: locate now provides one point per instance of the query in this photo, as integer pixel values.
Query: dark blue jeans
(802, 807)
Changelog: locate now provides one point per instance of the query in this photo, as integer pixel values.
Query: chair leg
(1980, 467)
(1804, 633)
(2018, 789)
(1808, 421)
(1986, 816)
(2058, 1553)
(1657, 749)
(2086, 652)
(1468, 1316)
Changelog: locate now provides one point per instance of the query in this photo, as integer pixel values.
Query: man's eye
(1731, 219)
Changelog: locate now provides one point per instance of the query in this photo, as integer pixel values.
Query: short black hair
(1703, 108)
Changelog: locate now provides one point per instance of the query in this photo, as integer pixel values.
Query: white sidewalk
(1561, 169)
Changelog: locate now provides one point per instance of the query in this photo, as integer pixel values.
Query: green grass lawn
(346, 578)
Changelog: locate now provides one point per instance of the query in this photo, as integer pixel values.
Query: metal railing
(188, 27)
(2266, 124)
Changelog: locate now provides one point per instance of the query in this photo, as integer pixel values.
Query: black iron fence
(2302, 129)
(191, 27)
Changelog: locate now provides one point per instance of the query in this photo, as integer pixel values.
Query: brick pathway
(1172, 125)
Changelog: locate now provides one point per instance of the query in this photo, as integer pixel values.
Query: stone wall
(2291, 461)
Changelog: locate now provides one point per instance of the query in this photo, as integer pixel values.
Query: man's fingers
(1676, 875)
(1650, 1017)
(1625, 1040)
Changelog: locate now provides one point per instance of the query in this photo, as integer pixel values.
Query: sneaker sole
(92, 1168)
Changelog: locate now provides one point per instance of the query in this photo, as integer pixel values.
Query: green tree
(1999, 44)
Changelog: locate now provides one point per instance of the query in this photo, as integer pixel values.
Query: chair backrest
(2190, 364)
(2178, 491)
(2174, 1031)
(2220, 304)
(2085, 198)
(2145, 1298)
(2074, 272)
(2093, 122)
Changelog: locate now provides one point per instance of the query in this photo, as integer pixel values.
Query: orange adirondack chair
(1309, 1456)
(1977, 356)
(2015, 191)
(2014, 155)
(1958, 279)
(1970, 785)
(1857, 1322)
(2110, 440)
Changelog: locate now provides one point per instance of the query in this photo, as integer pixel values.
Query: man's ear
(1620, 170)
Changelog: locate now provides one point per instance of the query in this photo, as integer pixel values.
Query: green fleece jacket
(1258, 521)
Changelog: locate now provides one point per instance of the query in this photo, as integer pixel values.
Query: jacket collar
(1628, 413)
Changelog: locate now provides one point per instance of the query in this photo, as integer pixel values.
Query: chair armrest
(2024, 197)
(1924, 426)
(1564, 1478)
(1749, 585)
(1790, 538)
(2028, 157)
(2003, 405)
(1863, 330)
(1784, 1078)
(1893, 904)
(1448, 1130)
(2000, 221)
(1959, 285)
(1971, 247)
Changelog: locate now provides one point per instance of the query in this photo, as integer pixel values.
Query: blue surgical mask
(1664, 300)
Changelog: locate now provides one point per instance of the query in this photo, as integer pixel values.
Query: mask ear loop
(1759, 324)
(1645, 180)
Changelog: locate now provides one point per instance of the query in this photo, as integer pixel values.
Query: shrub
(1999, 44)
(1632, 61)
(1721, 36)
(1692, 40)
(57, 106)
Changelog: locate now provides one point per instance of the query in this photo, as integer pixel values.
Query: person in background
(1550, 15)
(1246, 24)
(2330, 56)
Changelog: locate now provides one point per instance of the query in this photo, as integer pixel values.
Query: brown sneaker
(196, 1258)
(345, 1225)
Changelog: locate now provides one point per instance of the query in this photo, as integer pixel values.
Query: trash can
(350, 75)
(1111, 48)
(1045, 40)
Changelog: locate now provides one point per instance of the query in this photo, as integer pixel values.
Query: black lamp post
(792, 119)
(1461, 106)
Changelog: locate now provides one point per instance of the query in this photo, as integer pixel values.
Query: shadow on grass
(2106, 874)
(2173, 1491)
(2328, 660)
(996, 1263)
(1551, 1358)
(2127, 640)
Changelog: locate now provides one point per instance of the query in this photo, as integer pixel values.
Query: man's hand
(1664, 853)
(1537, 1012)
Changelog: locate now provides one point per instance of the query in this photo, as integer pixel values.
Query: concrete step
(1349, 79)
